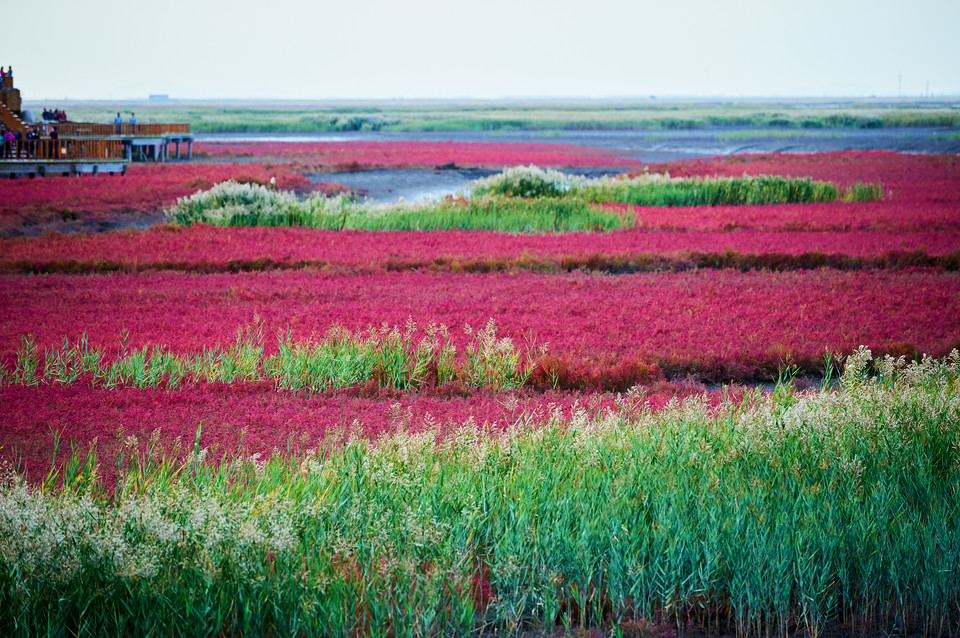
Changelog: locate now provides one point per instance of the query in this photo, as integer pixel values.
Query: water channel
(645, 146)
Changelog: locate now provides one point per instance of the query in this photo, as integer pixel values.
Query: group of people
(55, 115)
(118, 123)
(5, 74)
(16, 146)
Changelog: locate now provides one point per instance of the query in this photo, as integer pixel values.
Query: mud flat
(664, 145)
(390, 185)
(647, 146)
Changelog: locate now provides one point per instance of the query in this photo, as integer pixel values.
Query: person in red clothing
(54, 143)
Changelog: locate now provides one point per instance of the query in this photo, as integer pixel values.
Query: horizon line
(508, 98)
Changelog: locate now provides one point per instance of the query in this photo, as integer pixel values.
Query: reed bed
(522, 199)
(775, 514)
(229, 204)
(602, 330)
(263, 419)
(384, 356)
(656, 189)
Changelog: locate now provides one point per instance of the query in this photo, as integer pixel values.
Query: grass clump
(527, 182)
(232, 204)
(721, 191)
(405, 359)
(773, 515)
(661, 190)
(541, 215)
(523, 199)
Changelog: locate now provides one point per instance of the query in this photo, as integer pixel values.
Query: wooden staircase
(11, 121)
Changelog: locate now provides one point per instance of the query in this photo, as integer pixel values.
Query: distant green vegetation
(505, 115)
(524, 199)
(750, 134)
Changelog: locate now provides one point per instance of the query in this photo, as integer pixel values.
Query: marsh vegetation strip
(520, 199)
(544, 114)
(781, 514)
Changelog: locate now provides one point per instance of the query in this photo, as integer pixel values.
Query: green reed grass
(519, 200)
(660, 190)
(547, 214)
(230, 204)
(387, 356)
(759, 190)
(771, 515)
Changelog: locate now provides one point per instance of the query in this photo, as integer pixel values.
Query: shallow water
(390, 185)
(662, 145)
(647, 146)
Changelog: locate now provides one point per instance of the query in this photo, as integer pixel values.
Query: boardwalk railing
(89, 129)
(62, 150)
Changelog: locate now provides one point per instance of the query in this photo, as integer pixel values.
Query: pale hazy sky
(495, 48)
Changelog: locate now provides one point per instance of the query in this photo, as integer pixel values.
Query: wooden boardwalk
(41, 157)
(140, 141)
(81, 147)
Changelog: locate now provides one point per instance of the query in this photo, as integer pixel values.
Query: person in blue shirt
(133, 124)
(118, 121)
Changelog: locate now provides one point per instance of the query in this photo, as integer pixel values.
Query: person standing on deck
(133, 124)
(54, 144)
(33, 140)
(118, 122)
(8, 143)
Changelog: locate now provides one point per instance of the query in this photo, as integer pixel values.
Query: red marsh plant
(783, 513)
(719, 324)
(385, 357)
(895, 215)
(258, 419)
(205, 248)
(346, 156)
(145, 188)
(924, 193)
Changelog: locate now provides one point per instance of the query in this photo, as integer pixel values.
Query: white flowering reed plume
(788, 510)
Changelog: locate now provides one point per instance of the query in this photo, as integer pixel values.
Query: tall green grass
(231, 204)
(524, 199)
(387, 356)
(723, 191)
(661, 190)
(776, 514)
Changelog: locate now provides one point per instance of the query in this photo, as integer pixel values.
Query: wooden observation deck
(140, 141)
(81, 147)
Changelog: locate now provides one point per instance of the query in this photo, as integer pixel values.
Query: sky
(375, 49)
